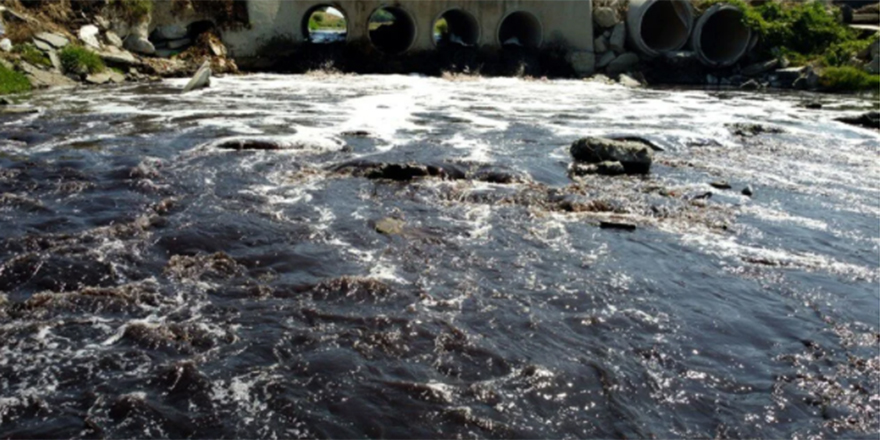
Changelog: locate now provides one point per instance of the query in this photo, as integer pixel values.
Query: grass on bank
(12, 81)
(133, 10)
(809, 33)
(79, 59)
(30, 54)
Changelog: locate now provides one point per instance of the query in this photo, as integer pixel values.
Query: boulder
(170, 32)
(605, 60)
(605, 17)
(390, 226)
(201, 79)
(748, 191)
(866, 120)
(113, 39)
(139, 45)
(617, 41)
(636, 158)
(55, 40)
(89, 36)
(583, 62)
(102, 22)
(600, 44)
(116, 77)
(622, 63)
(6, 45)
(118, 57)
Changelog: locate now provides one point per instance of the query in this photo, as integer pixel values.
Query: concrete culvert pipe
(461, 29)
(521, 29)
(392, 30)
(659, 26)
(720, 36)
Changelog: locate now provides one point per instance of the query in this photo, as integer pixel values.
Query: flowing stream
(154, 283)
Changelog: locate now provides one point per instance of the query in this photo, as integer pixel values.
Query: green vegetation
(805, 33)
(80, 59)
(12, 81)
(848, 78)
(321, 20)
(133, 10)
(30, 54)
(441, 27)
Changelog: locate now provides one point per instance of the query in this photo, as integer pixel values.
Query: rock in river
(201, 79)
(636, 158)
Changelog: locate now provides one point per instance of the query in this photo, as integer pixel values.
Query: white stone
(617, 41)
(98, 78)
(119, 57)
(102, 22)
(113, 39)
(42, 45)
(628, 81)
(201, 79)
(5, 45)
(89, 35)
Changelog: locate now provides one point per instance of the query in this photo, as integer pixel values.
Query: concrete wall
(562, 21)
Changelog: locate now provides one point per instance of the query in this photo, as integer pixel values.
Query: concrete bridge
(478, 23)
(651, 28)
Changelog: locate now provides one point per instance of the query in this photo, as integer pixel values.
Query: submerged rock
(866, 120)
(747, 191)
(201, 79)
(636, 158)
(749, 130)
(617, 225)
(720, 184)
(249, 144)
(390, 226)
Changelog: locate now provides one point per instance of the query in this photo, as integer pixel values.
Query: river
(155, 284)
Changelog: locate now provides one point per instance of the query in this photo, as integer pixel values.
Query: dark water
(156, 285)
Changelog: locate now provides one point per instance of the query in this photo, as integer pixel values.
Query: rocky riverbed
(362, 256)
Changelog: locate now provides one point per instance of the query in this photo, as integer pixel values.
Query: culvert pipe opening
(456, 28)
(720, 37)
(324, 24)
(521, 29)
(392, 30)
(659, 26)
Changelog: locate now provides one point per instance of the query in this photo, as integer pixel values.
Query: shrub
(29, 53)
(133, 10)
(849, 79)
(803, 31)
(78, 59)
(12, 81)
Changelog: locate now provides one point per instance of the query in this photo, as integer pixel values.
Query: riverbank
(50, 44)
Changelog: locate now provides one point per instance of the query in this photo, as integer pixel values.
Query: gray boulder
(170, 32)
(617, 41)
(605, 59)
(201, 79)
(139, 45)
(600, 44)
(636, 158)
(622, 63)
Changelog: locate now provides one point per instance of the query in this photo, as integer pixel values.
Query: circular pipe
(520, 28)
(463, 28)
(720, 36)
(307, 33)
(394, 38)
(659, 26)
